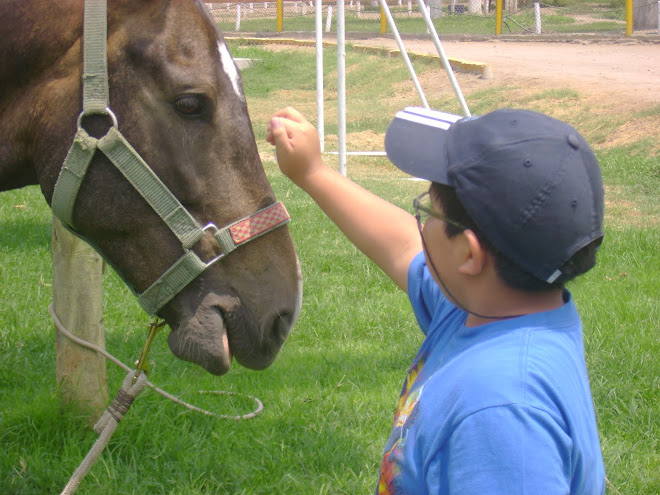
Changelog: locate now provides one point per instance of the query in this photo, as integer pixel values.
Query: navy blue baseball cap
(530, 182)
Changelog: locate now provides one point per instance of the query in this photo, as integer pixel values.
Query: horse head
(177, 98)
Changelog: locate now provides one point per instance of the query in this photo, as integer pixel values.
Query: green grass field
(330, 397)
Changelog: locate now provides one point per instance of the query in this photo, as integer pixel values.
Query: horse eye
(189, 105)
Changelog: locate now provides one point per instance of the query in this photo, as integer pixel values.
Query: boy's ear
(475, 255)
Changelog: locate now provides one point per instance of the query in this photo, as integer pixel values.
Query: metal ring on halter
(105, 111)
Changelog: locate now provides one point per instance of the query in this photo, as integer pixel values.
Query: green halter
(118, 150)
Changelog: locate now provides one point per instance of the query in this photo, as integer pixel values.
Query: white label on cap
(554, 276)
(425, 116)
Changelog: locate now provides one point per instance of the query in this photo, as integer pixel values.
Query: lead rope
(134, 383)
(107, 425)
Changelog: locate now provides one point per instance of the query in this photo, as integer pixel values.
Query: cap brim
(416, 142)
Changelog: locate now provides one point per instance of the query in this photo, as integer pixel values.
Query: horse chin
(192, 341)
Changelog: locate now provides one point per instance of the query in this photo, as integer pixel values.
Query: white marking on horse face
(230, 69)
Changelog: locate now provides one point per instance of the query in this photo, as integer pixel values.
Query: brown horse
(178, 100)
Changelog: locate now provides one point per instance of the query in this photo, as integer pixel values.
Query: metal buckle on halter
(211, 227)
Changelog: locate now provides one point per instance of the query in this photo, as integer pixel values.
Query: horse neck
(34, 36)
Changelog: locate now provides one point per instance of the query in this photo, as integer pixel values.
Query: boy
(497, 400)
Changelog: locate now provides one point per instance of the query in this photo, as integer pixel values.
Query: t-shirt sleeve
(504, 450)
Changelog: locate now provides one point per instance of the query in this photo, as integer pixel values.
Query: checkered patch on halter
(260, 223)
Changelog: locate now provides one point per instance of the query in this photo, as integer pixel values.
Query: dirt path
(630, 71)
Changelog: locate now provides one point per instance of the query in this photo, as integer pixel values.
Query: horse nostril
(281, 326)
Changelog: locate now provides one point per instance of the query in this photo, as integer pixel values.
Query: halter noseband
(119, 151)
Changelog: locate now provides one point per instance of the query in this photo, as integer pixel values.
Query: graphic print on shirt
(404, 418)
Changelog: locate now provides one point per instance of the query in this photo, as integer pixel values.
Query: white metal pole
(320, 122)
(443, 58)
(341, 87)
(537, 18)
(404, 53)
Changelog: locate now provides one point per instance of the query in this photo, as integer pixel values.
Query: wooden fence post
(78, 303)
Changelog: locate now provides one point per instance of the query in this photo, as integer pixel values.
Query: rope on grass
(129, 390)
(259, 405)
(106, 426)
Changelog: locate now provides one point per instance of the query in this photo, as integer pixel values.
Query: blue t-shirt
(502, 408)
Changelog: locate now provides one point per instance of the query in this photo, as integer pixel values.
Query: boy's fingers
(269, 134)
(279, 134)
(291, 114)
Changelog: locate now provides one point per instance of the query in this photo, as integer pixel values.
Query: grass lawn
(330, 397)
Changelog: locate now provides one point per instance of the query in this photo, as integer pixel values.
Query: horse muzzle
(222, 329)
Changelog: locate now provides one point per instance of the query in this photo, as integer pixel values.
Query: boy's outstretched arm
(384, 232)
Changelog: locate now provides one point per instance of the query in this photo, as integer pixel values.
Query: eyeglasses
(423, 208)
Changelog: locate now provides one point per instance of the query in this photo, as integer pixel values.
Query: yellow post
(383, 21)
(280, 16)
(498, 17)
(629, 17)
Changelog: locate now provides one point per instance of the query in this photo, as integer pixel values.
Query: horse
(174, 97)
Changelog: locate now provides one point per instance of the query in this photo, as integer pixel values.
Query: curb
(483, 70)
(642, 37)
(246, 63)
(480, 69)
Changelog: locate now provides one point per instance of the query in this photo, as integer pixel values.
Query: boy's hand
(296, 144)
(384, 232)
